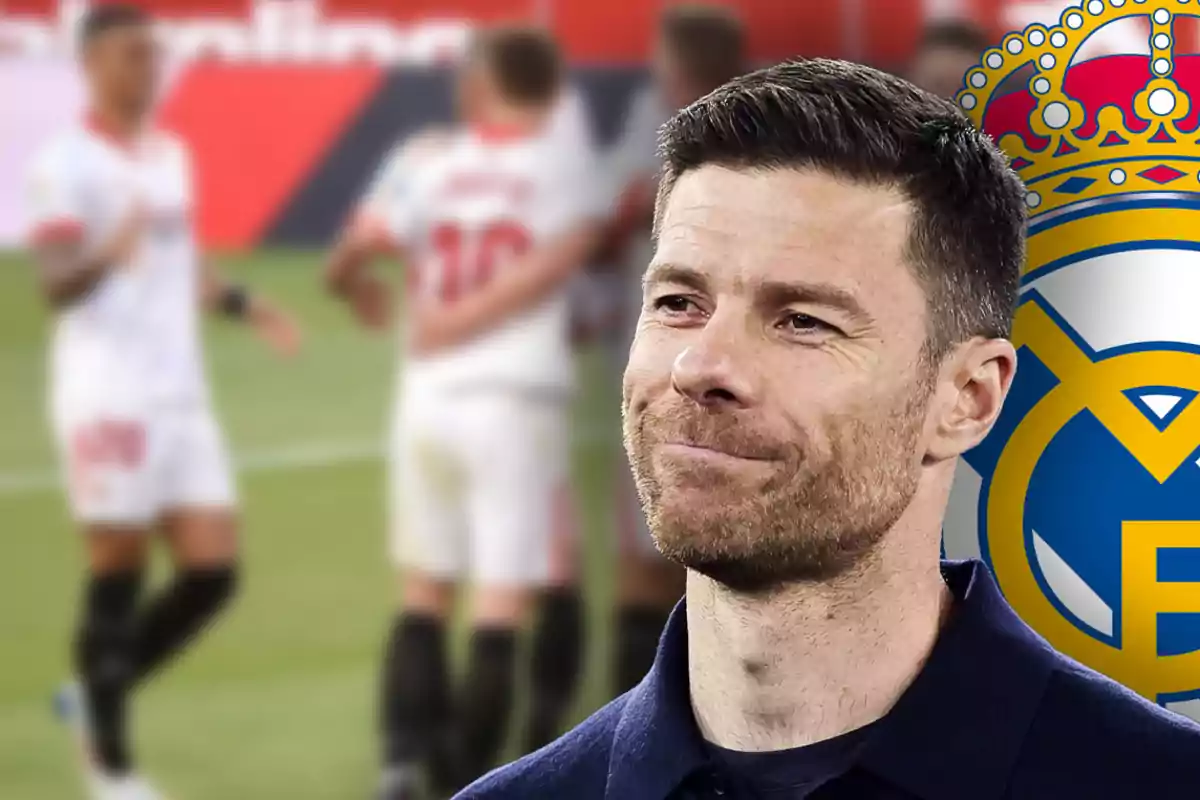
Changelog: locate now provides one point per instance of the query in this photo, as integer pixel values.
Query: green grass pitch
(278, 700)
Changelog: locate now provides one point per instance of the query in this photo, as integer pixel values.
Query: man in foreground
(824, 332)
(491, 219)
(111, 211)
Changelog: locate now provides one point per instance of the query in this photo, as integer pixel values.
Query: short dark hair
(967, 242)
(524, 61)
(100, 19)
(708, 42)
(954, 34)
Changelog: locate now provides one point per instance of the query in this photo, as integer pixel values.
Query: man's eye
(673, 304)
(803, 323)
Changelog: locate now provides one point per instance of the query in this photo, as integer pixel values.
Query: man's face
(940, 70)
(123, 66)
(777, 387)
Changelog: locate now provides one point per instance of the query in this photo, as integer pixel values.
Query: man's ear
(972, 384)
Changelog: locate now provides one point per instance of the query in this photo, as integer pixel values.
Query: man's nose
(712, 373)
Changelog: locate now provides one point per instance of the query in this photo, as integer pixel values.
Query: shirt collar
(98, 126)
(499, 133)
(955, 732)
(958, 729)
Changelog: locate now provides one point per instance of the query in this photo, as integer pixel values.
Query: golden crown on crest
(1066, 149)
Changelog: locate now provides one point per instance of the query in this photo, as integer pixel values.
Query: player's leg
(426, 542)
(203, 541)
(199, 523)
(414, 684)
(485, 695)
(110, 461)
(648, 587)
(556, 649)
(104, 647)
(518, 448)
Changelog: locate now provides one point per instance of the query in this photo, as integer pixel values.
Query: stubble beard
(817, 516)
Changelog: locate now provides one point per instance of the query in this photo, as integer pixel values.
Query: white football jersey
(133, 341)
(464, 206)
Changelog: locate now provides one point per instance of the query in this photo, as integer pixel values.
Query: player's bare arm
(68, 271)
(350, 278)
(274, 325)
(349, 274)
(349, 262)
(526, 283)
(633, 212)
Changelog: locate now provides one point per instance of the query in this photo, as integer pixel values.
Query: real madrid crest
(1085, 499)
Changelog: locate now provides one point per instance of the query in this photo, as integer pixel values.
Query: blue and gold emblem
(1085, 499)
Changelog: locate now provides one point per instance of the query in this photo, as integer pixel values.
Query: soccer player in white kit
(492, 219)
(110, 205)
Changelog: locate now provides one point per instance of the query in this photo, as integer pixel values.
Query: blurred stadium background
(288, 106)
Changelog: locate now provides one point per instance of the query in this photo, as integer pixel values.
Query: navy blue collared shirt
(995, 714)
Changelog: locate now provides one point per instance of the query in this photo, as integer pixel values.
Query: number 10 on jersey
(466, 257)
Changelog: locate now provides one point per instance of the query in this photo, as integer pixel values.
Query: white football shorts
(128, 468)
(478, 484)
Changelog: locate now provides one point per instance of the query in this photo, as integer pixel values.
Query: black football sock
(180, 612)
(414, 704)
(105, 660)
(555, 663)
(485, 700)
(638, 632)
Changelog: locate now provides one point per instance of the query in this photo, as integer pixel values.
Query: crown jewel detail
(1066, 150)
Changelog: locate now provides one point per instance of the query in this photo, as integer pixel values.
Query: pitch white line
(308, 455)
(312, 454)
(18, 483)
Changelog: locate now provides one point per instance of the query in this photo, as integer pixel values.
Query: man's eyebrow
(769, 294)
(776, 294)
(674, 273)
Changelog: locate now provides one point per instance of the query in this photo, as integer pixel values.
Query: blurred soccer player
(699, 48)
(111, 229)
(492, 219)
(946, 51)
